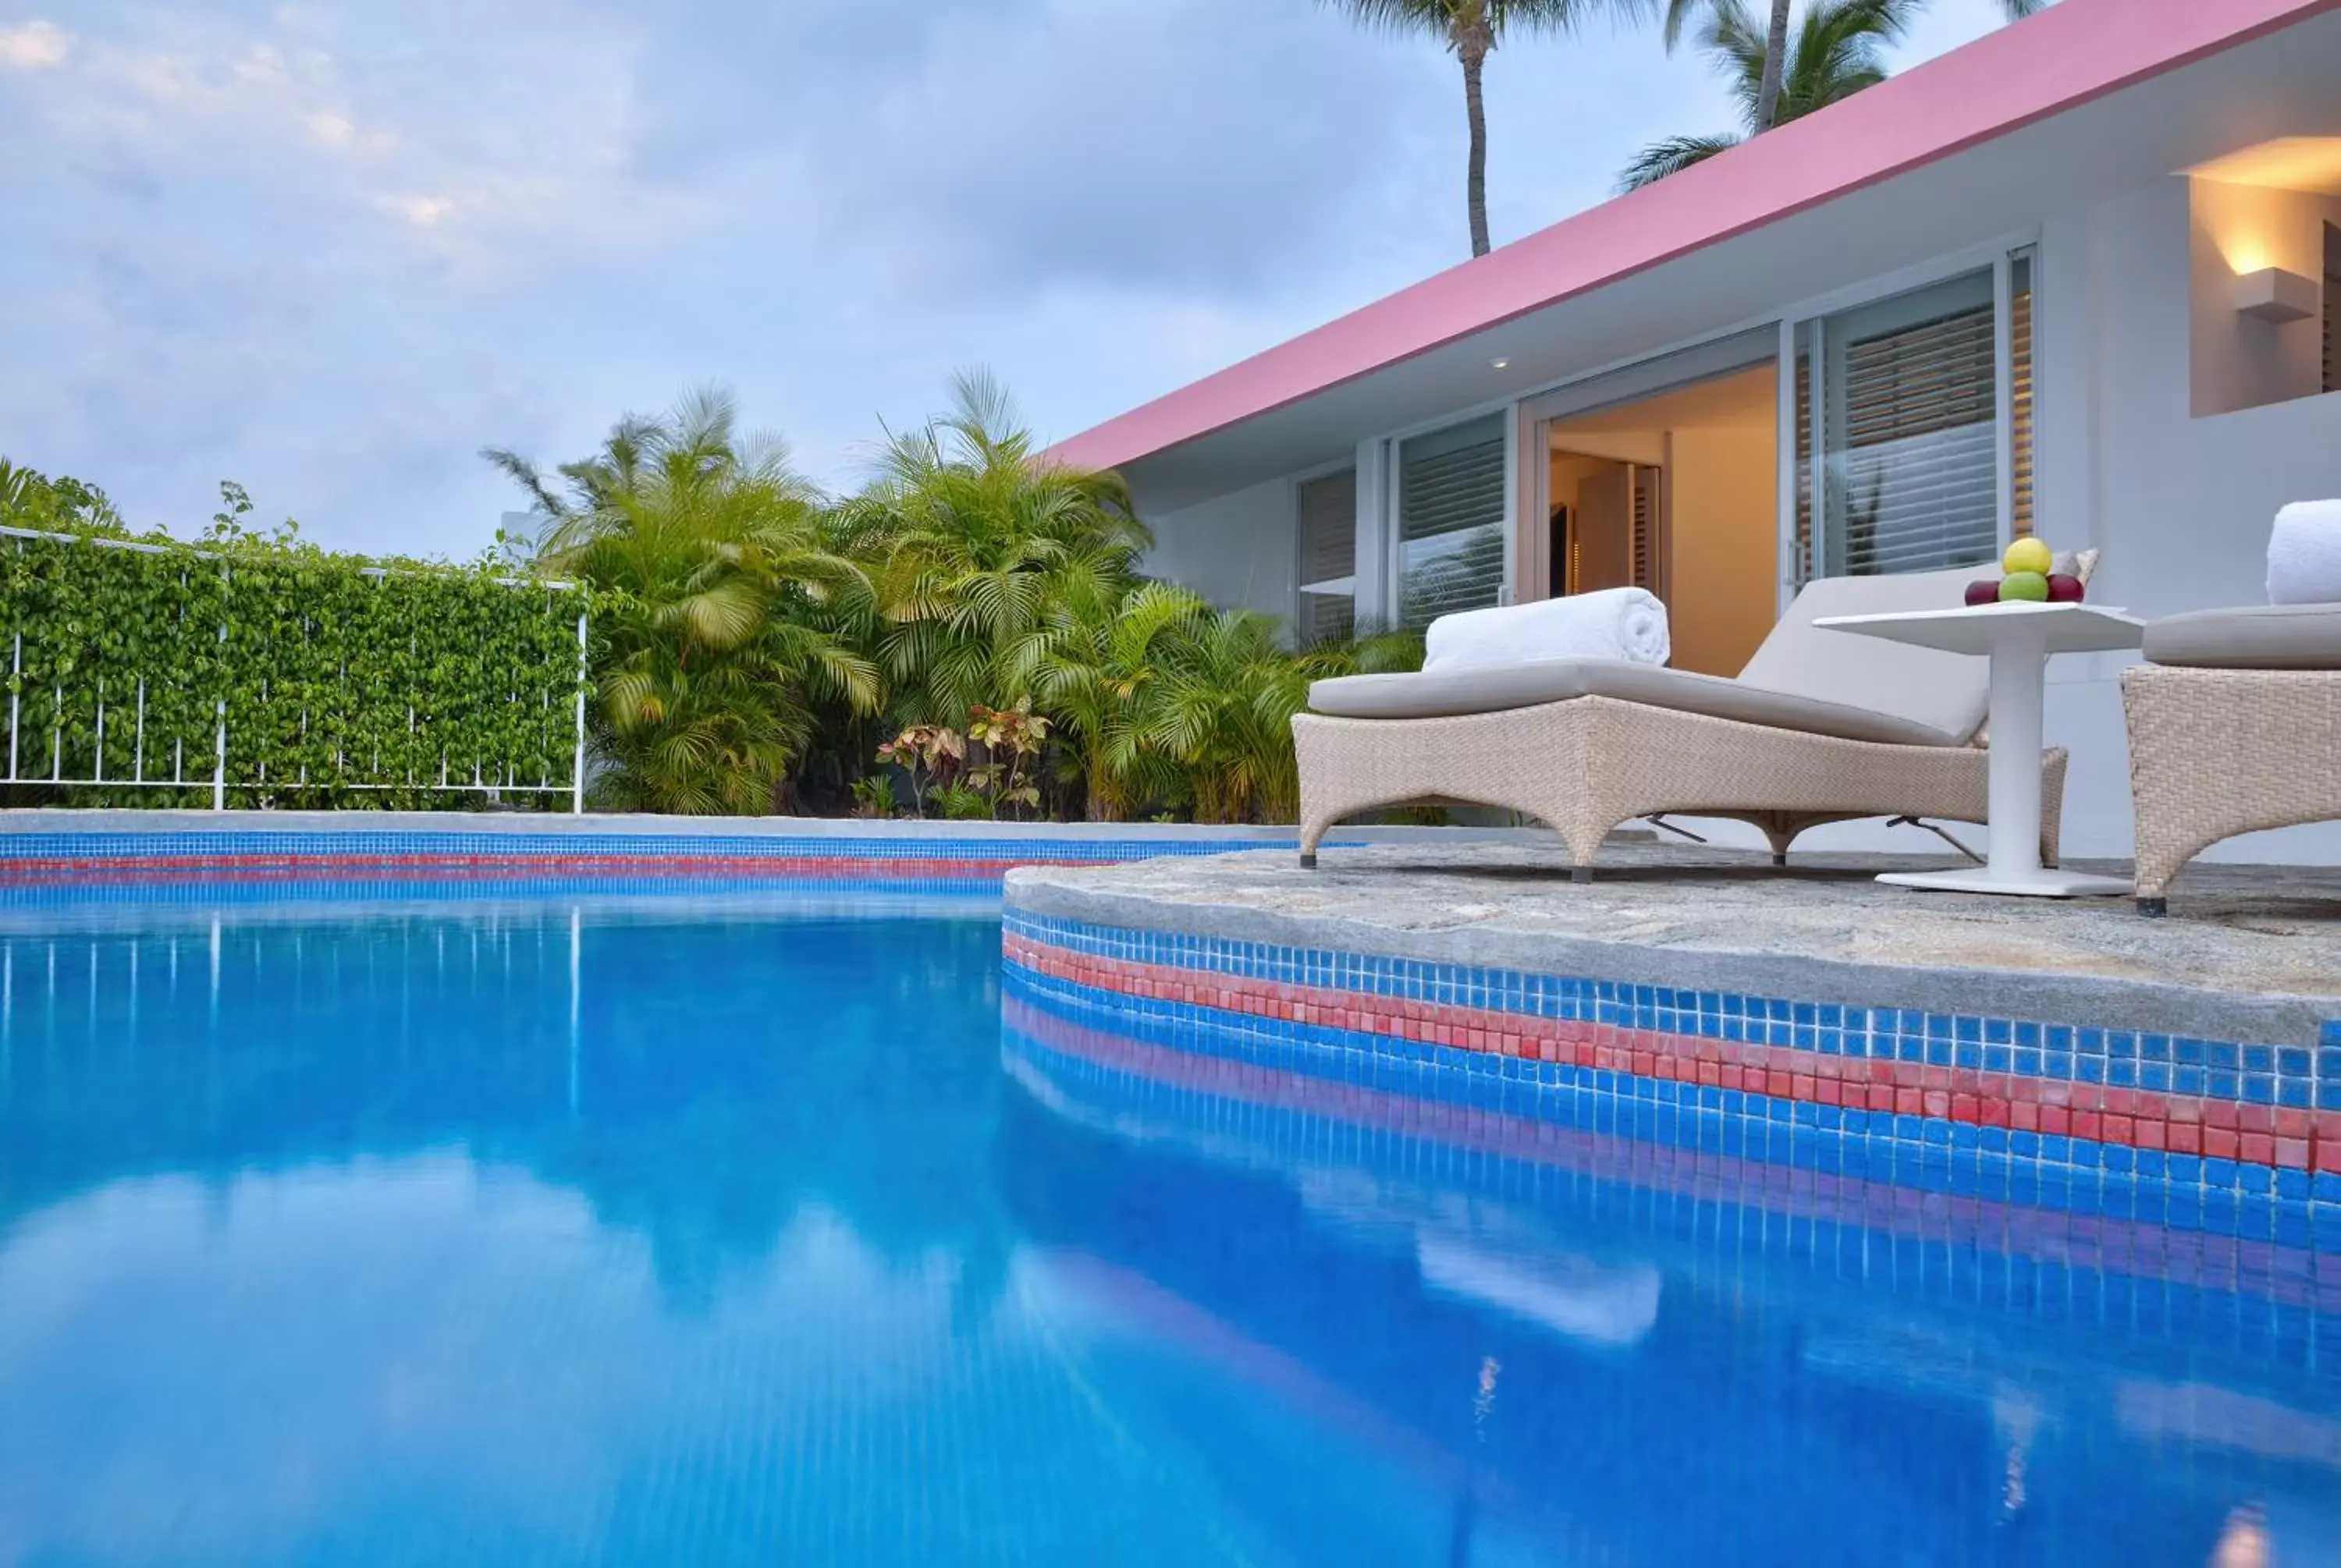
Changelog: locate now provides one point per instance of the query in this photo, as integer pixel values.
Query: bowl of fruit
(2029, 575)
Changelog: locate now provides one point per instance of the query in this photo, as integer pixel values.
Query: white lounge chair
(1818, 728)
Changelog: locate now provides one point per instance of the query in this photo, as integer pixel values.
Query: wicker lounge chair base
(1583, 766)
(2218, 752)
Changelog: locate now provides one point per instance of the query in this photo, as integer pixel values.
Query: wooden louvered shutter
(2022, 399)
(2332, 307)
(1807, 564)
(1649, 551)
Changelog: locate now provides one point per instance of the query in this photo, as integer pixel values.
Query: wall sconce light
(2273, 294)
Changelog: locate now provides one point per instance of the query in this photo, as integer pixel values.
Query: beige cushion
(2255, 637)
(1941, 693)
(1443, 694)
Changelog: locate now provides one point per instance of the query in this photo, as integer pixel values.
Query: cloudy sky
(330, 250)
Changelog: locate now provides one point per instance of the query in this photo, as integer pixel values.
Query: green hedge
(344, 684)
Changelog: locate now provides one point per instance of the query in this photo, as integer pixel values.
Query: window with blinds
(1451, 520)
(1328, 527)
(1905, 394)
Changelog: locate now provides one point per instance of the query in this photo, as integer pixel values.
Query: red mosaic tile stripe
(2276, 1135)
(1797, 1192)
(45, 870)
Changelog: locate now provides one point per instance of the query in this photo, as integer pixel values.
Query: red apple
(2064, 588)
(1984, 591)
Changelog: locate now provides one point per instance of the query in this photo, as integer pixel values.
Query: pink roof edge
(2066, 55)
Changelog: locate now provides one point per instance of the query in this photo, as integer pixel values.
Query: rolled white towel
(1623, 623)
(2304, 557)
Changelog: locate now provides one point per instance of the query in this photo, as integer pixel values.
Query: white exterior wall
(2181, 505)
(1238, 551)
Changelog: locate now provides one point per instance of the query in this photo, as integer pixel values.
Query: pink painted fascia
(2072, 53)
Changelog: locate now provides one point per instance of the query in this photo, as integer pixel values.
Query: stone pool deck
(2248, 953)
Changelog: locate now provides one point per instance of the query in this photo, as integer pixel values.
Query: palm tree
(969, 538)
(1774, 70)
(1471, 29)
(711, 583)
(1838, 50)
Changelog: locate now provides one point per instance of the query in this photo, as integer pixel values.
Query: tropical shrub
(1096, 661)
(715, 589)
(972, 541)
(874, 796)
(1012, 739)
(930, 755)
(964, 803)
(977, 605)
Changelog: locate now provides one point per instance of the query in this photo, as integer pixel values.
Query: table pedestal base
(2037, 883)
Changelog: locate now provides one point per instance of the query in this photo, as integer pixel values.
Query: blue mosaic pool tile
(2080, 1172)
(2287, 1075)
(2077, 1175)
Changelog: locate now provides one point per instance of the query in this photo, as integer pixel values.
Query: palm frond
(1671, 156)
(525, 474)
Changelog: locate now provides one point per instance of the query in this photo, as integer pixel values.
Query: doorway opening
(1676, 493)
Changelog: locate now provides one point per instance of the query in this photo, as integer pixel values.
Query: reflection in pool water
(567, 1232)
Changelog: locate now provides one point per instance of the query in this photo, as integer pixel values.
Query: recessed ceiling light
(1500, 364)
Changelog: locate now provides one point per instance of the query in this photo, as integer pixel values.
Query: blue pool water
(741, 1230)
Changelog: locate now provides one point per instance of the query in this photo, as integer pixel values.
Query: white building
(2077, 278)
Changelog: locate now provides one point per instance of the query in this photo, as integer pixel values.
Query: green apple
(2031, 585)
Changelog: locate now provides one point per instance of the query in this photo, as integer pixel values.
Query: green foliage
(1836, 49)
(972, 541)
(874, 796)
(29, 499)
(964, 803)
(1096, 662)
(752, 640)
(976, 605)
(718, 600)
(342, 681)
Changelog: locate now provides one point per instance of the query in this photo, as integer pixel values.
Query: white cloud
(34, 46)
(330, 250)
(423, 212)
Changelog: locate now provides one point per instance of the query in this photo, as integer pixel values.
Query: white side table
(2017, 638)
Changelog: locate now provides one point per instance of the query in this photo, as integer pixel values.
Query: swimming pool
(578, 1228)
